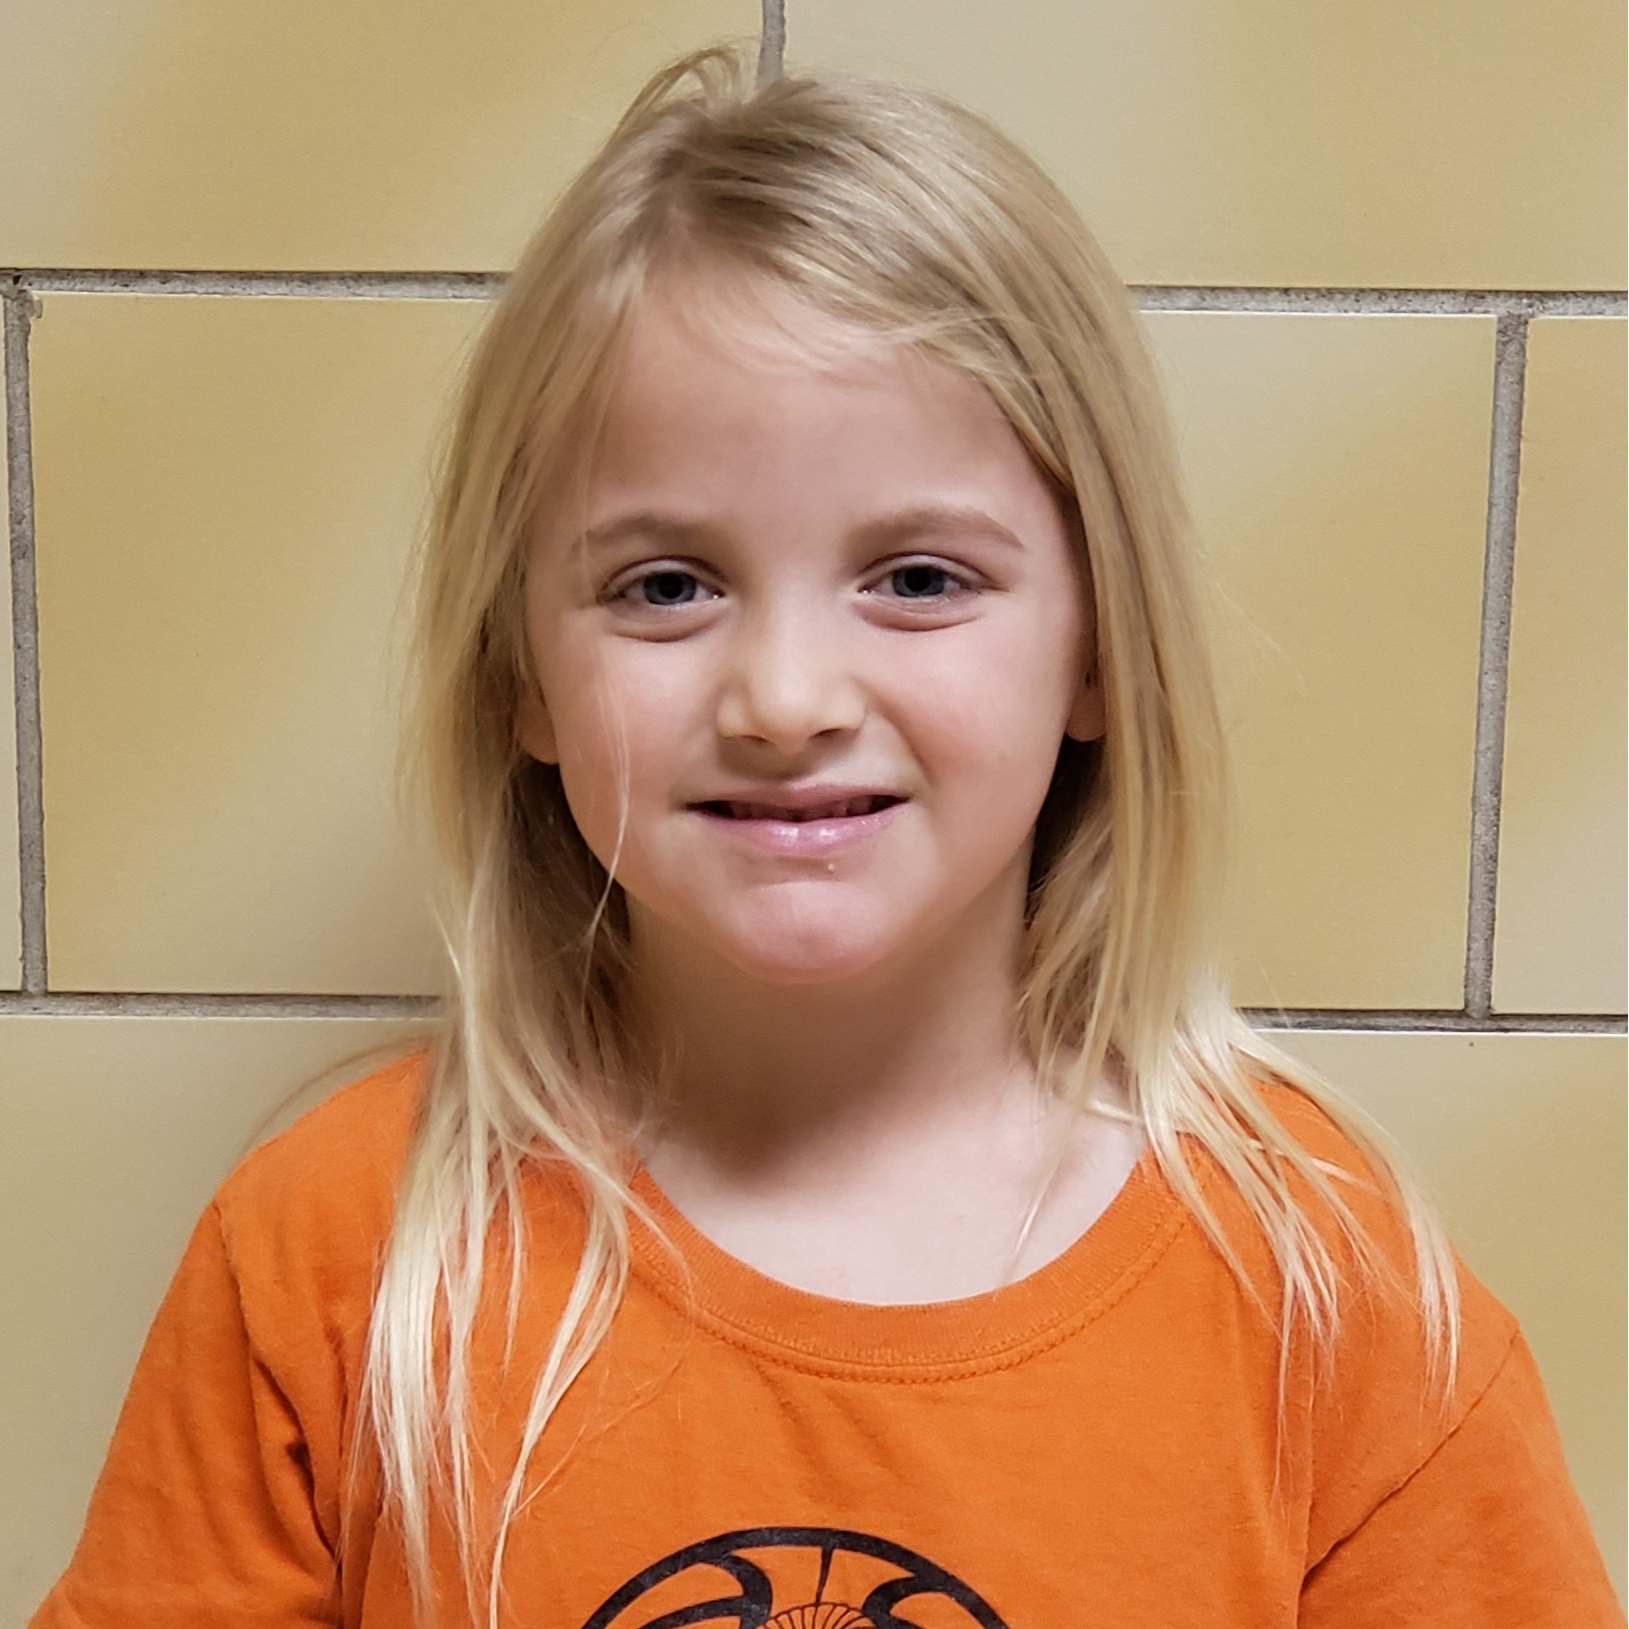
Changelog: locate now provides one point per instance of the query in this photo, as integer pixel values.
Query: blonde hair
(907, 215)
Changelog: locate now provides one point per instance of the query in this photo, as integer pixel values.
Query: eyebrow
(926, 519)
(649, 523)
(915, 520)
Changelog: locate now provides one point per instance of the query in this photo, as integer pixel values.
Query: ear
(1088, 720)
(534, 729)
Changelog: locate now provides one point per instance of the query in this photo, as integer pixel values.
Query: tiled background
(1381, 252)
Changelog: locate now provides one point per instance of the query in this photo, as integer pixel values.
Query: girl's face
(819, 570)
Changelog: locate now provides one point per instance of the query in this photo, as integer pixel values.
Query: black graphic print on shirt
(795, 1578)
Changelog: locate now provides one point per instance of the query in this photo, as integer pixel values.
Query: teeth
(825, 811)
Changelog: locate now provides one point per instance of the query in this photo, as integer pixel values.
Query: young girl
(838, 1192)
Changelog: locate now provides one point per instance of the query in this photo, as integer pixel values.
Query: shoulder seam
(1435, 1448)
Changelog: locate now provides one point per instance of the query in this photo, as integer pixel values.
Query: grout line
(479, 285)
(1413, 1022)
(1383, 301)
(1493, 661)
(772, 41)
(25, 639)
(1513, 308)
(117, 1004)
(324, 285)
(182, 1004)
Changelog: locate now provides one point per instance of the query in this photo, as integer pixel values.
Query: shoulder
(1371, 1174)
(322, 1193)
(1376, 1415)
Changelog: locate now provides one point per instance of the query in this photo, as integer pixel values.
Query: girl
(838, 1192)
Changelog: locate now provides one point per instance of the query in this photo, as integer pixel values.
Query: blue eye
(920, 582)
(668, 589)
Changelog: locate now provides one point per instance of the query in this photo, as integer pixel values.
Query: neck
(756, 1074)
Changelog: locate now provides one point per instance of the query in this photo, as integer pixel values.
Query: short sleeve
(1488, 1533)
(203, 1516)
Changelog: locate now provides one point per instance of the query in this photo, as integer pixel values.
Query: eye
(922, 582)
(667, 588)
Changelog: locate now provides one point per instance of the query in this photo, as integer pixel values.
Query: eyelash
(963, 582)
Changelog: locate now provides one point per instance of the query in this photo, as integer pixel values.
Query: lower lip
(798, 838)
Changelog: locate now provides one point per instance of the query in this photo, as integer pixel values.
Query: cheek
(999, 710)
(585, 714)
(617, 722)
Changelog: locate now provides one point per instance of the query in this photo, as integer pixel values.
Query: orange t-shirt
(1091, 1446)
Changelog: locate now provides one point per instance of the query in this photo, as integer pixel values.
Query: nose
(790, 680)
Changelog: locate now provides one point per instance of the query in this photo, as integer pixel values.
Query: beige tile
(1390, 144)
(191, 134)
(116, 1132)
(1520, 1139)
(1338, 471)
(1559, 944)
(227, 490)
(11, 930)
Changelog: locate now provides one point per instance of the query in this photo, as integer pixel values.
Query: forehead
(747, 317)
(723, 374)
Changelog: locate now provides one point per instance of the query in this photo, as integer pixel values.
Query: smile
(846, 810)
(816, 832)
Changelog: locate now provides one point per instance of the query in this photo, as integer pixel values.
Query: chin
(788, 953)
(801, 964)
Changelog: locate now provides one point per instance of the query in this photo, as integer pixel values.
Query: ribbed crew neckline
(992, 1329)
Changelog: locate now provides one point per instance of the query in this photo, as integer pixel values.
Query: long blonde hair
(908, 215)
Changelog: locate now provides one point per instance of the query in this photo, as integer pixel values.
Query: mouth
(845, 809)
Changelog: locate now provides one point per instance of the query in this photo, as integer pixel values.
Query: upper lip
(799, 797)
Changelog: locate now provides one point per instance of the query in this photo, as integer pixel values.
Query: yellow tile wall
(1337, 467)
(1561, 900)
(216, 610)
(1453, 145)
(227, 483)
(1519, 1139)
(346, 135)
(116, 1131)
